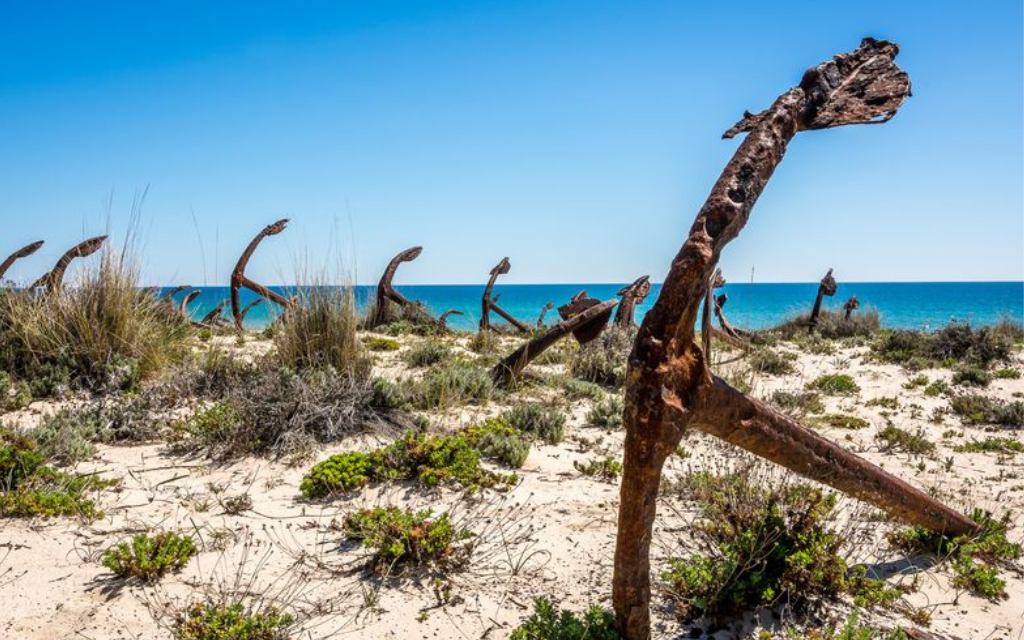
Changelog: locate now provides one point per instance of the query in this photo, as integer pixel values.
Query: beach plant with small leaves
(401, 536)
(231, 621)
(147, 557)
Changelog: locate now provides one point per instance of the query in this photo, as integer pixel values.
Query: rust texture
(442, 321)
(54, 278)
(850, 306)
(579, 303)
(669, 385)
(737, 336)
(169, 296)
(543, 312)
(594, 316)
(255, 303)
(827, 287)
(23, 252)
(488, 304)
(183, 307)
(214, 316)
(631, 296)
(386, 293)
(239, 280)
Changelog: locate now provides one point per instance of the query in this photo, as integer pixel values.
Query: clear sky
(577, 137)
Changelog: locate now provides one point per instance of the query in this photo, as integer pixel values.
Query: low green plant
(976, 559)
(976, 409)
(576, 389)
(231, 621)
(376, 343)
(772, 363)
(886, 402)
(606, 468)
(919, 380)
(972, 376)
(603, 360)
(29, 487)
(548, 623)
(991, 445)
(14, 395)
(427, 353)
(608, 412)
(892, 438)
(851, 629)
(1006, 374)
(842, 421)
(544, 423)
(957, 342)
(497, 440)
(66, 437)
(430, 460)
(149, 557)
(402, 536)
(798, 403)
(484, 343)
(834, 384)
(449, 384)
(762, 545)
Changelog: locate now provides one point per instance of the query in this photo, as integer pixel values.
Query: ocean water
(901, 305)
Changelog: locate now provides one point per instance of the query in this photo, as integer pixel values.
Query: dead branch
(23, 252)
(489, 304)
(54, 278)
(239, 280)
(669, 385)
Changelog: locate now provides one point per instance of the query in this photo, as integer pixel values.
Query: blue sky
(577, 137)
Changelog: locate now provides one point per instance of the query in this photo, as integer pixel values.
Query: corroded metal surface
(255, 303)
(239, 280)
(631, 295)
(827, 287)
(187, 300)
(488, 304)
(595, 315)
(386, 293)
(543, 312)
(54, 278)
(23, 252)
(443, 320)
(580, 303)
(669, 385)
(850, 306)
(215, 314)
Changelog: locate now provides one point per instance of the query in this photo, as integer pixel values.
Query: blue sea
(902, 305)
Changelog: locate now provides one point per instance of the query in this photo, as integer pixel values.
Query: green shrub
(764, 545)
(831, 325)
(542, 422)
(606, 468)
(852, 629)
(893, 438)
(971, 376)
(920, 380)
(576, 389)
(431, 460)
(886, 402)
(834, 384)
(608, 412)
(484, 343)
(991, 445)
(842, 421)
(66, 437)
(400, 536)
(547, 623)
(149, 558)
(772, 363)
(376, 343)
(450, 384)
(496, 440)
(213, 621)
(975, 558)
(427, 353)
(386, 395)
(30, 488)
(1006, 374)
(603, 360)
(976, 409)
(13, 395)
(798, 403)
(956, 342)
